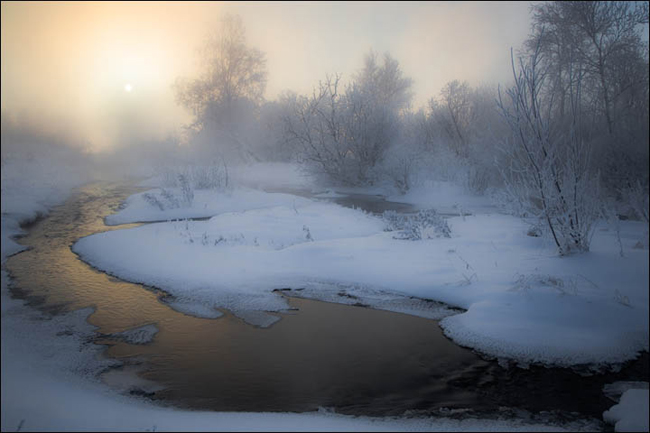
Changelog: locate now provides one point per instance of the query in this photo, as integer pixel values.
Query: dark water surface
(368, 202)
(356, 360)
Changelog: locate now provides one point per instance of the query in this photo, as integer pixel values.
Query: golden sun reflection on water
(320, 355)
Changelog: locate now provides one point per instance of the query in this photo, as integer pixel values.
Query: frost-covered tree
(344, 133)
(454, 114)
(549, 173)
(465, 127)
(410, 154)
(314, 125)
(602, 39)
(225, 97)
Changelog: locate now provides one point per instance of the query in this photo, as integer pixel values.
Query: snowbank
(631, 413)
(205, 204)
(523, 302)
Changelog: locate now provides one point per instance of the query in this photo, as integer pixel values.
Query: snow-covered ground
(204, 205)
(523, 302)
(49, 366)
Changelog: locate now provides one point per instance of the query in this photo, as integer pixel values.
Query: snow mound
(572, 332)
(522, 301)
(206, 203)
(631, 414)
(365, 296)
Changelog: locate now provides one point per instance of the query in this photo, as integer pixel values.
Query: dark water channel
(370, 203)
(353, 359)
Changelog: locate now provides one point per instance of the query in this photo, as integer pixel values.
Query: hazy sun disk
(128, 87)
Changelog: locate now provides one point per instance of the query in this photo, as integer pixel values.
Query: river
(352, 359)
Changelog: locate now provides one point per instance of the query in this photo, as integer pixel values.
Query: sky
(68, 65)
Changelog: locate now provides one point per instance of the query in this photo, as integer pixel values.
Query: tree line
(567, 135)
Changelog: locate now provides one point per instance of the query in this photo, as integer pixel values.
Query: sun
(128, 87)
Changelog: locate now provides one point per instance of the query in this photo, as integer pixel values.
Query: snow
(355, 294)
(631, 414)
(72, 409)
(50, 366)
(125, 379)
(206, 203)
(523, 302)
(237, 238)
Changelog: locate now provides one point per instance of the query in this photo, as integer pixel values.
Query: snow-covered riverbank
(48, 370)
(523, 302)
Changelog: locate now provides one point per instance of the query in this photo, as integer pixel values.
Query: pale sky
(67, 64)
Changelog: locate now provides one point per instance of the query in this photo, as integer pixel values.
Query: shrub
(426, 224)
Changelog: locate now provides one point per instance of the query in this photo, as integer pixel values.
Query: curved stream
(353, 359)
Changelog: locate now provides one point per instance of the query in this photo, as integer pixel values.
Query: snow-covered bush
(193, 176)
(402, 169)
(187, 190)
(153, 201)
(636, 199)
(173, 178)
(168, 195)
(410, 156)
(563, 285)
(165, 200)
(425, 224)
(308, 236)
(213, 176)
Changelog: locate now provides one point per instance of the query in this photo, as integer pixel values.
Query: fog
(492, 157)
(517, 100)
(65, 65)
